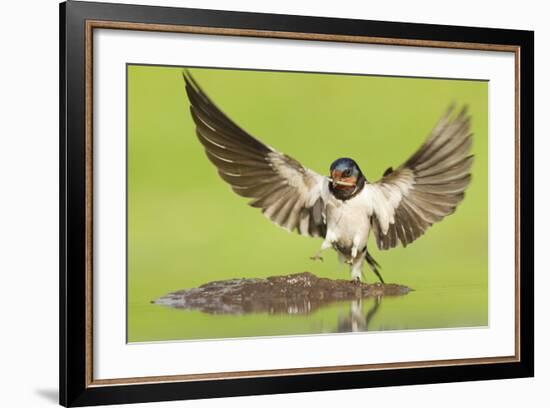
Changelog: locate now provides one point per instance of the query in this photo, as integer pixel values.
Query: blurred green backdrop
(186, 227)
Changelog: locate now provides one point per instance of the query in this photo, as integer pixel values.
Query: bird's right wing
(289, 194)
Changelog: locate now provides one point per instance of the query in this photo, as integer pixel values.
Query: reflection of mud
(300, 293)
(357, 321)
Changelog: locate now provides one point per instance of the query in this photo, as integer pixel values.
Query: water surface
(433, 308)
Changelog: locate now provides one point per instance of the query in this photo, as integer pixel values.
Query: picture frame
(79, 21)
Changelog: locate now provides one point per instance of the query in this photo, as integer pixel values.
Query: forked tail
(373, 265)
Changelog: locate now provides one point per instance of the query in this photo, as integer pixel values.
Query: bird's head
(345, 175)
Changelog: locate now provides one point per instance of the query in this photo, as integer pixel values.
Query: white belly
(348, 224)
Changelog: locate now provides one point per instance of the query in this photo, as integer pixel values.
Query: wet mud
(300, 293)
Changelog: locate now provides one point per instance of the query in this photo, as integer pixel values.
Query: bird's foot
(356, 280)
(316, 257)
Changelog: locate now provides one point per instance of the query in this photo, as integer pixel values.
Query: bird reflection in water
(357, 320)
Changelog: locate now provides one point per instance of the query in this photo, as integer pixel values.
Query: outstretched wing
(287, 193)
(426, 188)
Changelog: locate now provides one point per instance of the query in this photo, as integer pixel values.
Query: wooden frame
(77, 22)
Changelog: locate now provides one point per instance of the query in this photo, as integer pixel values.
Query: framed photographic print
(255, 203)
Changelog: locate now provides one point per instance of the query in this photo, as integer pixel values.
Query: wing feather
(426, 188)
(289, 194)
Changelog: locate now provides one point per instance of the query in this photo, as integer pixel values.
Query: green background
(186, 227)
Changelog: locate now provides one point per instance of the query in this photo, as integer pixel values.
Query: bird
(342, 208)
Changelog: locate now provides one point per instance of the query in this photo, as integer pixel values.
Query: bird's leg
(354, 251)
(357, 268)
(325, 245)
(351, 259)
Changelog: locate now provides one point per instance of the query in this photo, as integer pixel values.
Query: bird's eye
(346, 173)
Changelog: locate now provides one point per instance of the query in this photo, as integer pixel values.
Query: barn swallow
(342, 208)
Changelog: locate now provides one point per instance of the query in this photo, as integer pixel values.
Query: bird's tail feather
(373, 265)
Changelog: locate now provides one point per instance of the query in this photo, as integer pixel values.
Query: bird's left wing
(288, 193)
(426, 188)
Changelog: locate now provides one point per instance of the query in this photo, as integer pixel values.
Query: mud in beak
(338, 182)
